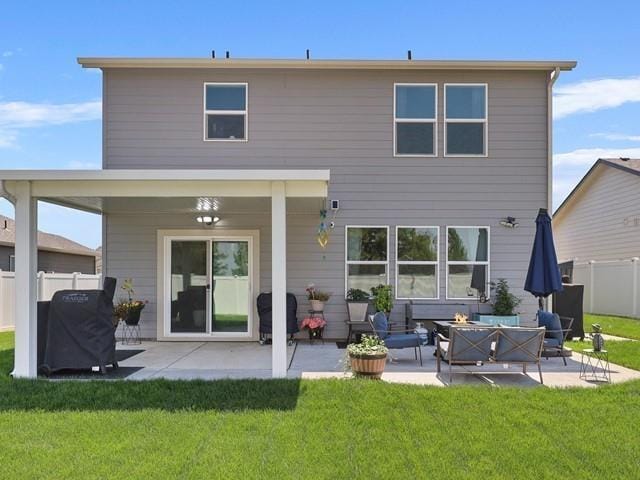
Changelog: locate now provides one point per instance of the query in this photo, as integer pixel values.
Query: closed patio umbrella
(543, 277)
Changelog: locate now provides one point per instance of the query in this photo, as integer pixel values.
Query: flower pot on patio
(317, 305)
(357, 305)
(368, 366)
(133, 316)
(367, 358)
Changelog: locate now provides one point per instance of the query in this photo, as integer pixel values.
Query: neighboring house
(56, 254)
(600, 219)
(215, 172)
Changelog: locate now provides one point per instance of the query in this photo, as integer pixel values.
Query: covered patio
(193, 360)
(100, 191)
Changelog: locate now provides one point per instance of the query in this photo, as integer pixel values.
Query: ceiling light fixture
(207, 220)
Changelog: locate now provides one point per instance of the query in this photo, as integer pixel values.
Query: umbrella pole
(540, 303)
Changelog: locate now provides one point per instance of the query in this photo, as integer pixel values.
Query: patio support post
(26, 260)
(279, 279)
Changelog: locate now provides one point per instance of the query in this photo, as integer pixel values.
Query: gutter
(5, 193)
(552, 80)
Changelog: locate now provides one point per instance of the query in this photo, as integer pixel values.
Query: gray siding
(53, 261)
(592, 226)
(341, 120)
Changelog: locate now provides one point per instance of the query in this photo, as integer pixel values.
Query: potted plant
(504, 307)
(129, 310)
(357, 305)
(317, 298)
(367, 358)
(382, 298)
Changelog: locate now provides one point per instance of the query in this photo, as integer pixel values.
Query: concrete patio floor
(212, 361)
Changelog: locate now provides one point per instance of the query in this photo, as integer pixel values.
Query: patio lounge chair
(465, 346)
(557, 329)
(520, 345)
(395, 339)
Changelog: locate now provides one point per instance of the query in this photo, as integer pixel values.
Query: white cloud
(588, 156)
(7, 53)
(15, 116)
(593, 95)
(617, 136)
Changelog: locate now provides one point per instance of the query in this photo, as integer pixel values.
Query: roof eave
(121, 62)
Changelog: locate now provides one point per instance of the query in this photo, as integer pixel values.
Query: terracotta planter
(317, 305)
(368, 366)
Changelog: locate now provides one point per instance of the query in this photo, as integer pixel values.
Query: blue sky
(50, 110)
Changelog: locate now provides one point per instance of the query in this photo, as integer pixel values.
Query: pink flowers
(313, 323)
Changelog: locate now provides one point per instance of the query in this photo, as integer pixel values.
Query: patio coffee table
(442, 326)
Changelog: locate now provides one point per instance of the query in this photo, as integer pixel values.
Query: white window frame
(457, 262)
(416, 262)
(433, 120)
(348, 262)
(244, 112)
(485, 121)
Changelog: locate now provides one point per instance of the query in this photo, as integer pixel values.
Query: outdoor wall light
(207, 220)
(509, 222)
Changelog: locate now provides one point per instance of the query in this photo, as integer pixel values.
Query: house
(215, 172)
(55, 253)
(600, 219)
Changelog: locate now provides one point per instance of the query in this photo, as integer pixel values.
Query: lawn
(312, 429)
(620, 326)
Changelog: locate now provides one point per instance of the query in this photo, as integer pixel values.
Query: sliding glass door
(210, 286)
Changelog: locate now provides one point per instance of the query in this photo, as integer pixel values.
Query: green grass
(621, 352)
(611, 325)
(312, 429)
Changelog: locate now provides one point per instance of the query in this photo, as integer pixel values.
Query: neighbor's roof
(116, 62)
(46, 241)
(629, 165)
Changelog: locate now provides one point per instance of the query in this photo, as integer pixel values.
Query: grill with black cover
(265, 313)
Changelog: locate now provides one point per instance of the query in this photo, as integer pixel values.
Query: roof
(166, 174)
(46, 241)
(120, 62)
(629, 165)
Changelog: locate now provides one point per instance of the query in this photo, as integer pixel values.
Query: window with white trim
(465, 119)
(414, 128)
(225, 111)
(467, 262)
(367, 257)
(417, 262)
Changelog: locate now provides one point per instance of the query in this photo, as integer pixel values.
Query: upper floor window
(465, 119)
(415, 119)
(225, 111)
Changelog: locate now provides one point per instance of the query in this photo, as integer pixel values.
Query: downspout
(5, 193)
(552, 79)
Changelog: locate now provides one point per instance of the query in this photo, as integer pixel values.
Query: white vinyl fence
(48, 284)
(610, 287)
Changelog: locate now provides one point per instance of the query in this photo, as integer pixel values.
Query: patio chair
(557, 329)
(396, 339)
(520, 345)
(465, 346)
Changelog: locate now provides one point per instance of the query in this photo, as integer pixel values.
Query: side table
(594, 365)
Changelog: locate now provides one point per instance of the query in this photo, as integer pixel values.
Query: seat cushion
(401, 341)
(444, 350)
(551, 343)
(551, 321)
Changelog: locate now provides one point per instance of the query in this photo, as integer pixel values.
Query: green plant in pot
(367, 358)
(357, 304)
(129, 310)
(382, 298)
(504, 307)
